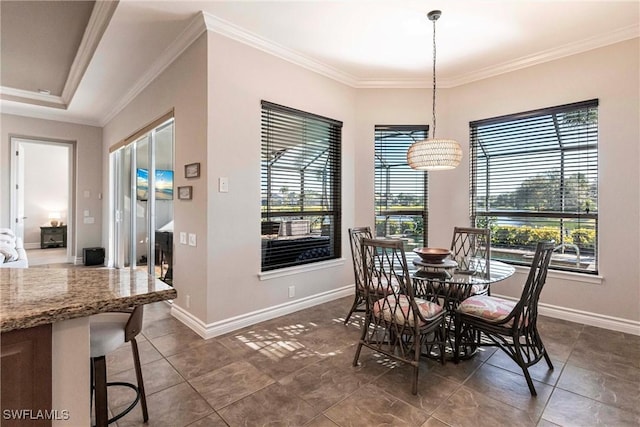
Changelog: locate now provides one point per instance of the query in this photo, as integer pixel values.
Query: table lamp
(54, 217)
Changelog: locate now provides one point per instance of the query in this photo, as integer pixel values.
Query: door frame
(17, 185)
(117, 180)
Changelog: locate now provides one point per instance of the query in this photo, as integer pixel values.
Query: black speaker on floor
(93, 256)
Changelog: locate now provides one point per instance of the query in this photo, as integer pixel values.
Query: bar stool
(108, 332)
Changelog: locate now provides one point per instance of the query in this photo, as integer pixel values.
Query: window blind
(300, 187)
(534, 177)
(400, 192)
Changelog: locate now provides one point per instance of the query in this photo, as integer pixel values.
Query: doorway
(142, 199)
(42, 198)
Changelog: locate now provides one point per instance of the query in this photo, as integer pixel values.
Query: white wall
(182, 87)
(239, 78)
(216, 87)
(88, 177)
(609, 74)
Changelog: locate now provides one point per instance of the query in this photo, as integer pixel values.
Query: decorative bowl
(432, 255)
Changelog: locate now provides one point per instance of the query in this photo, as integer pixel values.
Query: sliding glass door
(143, 201)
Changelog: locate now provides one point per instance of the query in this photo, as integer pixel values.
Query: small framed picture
(192, 170)
(185, 193)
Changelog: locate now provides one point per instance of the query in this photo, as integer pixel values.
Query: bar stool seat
(108, 331)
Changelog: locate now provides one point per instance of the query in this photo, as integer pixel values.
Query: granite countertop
(37, 296)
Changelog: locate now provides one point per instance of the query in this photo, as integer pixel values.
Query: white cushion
(7, 231)
(21, 262)
(9, 251)
(7, 239)
(107, 332)
(1, 258)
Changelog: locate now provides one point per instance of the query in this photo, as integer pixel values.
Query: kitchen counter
(49, 310)
(36, 296)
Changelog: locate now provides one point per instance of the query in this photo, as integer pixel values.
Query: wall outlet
(183, 238)
(188, 301)
(292, 291)
(192, 239)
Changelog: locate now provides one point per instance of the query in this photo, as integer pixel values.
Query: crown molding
(34, 98)
(241, 35)
(203, 21)
(98, 22)
(227, 29)
(20, 108)
(190, 34)
(620, 35)
(382, 83)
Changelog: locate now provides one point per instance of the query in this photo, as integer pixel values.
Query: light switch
(223, 184)
(183, 238)
(192, 239)
(86, 212)
(89, 220)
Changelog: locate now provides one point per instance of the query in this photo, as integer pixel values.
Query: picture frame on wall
(192, 170)
(185, 193)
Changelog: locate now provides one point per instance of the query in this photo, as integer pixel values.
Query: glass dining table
(449, 286)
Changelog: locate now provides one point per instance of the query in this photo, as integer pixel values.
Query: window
(300, 176)
(534, 177)
(400, 192)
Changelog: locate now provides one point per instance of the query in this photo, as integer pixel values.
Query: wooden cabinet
(53, 237)
(25, 360)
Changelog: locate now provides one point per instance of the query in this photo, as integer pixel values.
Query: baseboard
(588, 318)
(32, 245)
(221, 327)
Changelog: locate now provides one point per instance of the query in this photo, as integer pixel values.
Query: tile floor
(296, 371)
(46, 257)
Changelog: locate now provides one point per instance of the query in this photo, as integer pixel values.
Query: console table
(53, 237)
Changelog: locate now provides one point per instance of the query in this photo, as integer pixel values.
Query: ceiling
(77, 49)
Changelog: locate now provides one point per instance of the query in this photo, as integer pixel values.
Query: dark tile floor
(296, 371)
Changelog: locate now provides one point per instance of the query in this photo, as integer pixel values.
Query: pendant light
(434, 154)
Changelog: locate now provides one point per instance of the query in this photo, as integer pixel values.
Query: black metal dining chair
(511, 325)
(397, 324)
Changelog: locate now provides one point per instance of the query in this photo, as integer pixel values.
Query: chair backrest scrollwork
(356, 235)
(526, 311)
(472, 245)
(386, 273)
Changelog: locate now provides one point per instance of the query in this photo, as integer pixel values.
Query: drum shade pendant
(434, 154)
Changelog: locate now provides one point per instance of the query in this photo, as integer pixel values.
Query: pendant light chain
(433, 135)
(431, 154)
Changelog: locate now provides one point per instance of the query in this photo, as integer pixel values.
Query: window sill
(592, 279)
(282, 272)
